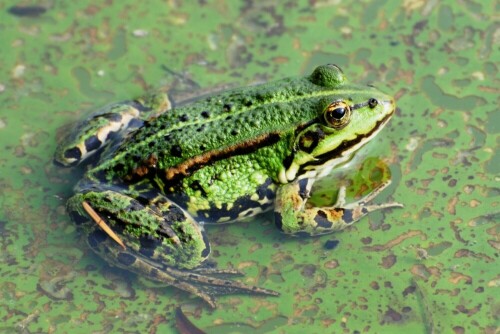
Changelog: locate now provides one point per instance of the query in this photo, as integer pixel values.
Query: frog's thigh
(162, 233)
(93, 134)
(293, 217)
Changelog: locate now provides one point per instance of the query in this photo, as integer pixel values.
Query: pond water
(426, 268)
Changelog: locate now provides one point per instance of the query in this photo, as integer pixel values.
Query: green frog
(157, 174)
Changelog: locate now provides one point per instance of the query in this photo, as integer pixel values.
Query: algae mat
(430, 267)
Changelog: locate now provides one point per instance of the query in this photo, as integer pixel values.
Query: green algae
(429, 267)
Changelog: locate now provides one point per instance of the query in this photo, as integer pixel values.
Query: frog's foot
(159, 241)
(92, 134)
(201, 282)
(292, 216)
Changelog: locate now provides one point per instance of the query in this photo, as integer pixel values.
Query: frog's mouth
(345, 150)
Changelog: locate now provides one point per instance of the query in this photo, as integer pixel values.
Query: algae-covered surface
(430, 267)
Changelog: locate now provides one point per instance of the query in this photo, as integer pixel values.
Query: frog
(157, 173)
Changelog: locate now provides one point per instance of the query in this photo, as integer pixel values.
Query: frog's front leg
(155, 239)
(292, 215)
(91, 135)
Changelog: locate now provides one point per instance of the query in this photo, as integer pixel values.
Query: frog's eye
(337, 114)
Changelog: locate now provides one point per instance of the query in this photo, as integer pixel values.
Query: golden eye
(337, 114)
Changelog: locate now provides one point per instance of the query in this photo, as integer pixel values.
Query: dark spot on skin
(96, 237)
(118, 167)
(206, 251)
(134, 206)
(148, 245)
(126, 259)
(183, 118)
(229, 117)
(92, 143)
(139, 106)
(135, 123)
(201, 128)
(173, 214)
(331, 244)
(234, 132)
(205, 114)
(112, 135)
(154, 273)
(196, 185)
(347, 216)
(322, 220)
(247, 103)
(303, 193)
(112, 116)
(176, 151)
(227, 107)
(288, 161)
(202, 147)
(263, 190)
(73, 153)
(309, 140)
(364, 210)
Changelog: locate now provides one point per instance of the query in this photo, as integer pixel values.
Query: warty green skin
(220, 159)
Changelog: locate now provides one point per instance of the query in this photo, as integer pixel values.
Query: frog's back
(226, 124)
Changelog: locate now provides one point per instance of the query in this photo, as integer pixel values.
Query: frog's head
(348, 116)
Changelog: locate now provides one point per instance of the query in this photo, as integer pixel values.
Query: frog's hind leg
(158, 240)
(92, 134)
(195, 281)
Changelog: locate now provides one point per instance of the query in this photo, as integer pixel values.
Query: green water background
(427, 268)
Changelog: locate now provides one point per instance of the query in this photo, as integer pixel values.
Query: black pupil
(337, 113)
(372, 103)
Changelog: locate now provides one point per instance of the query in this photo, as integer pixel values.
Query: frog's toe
(217, 272)
(206, 287)
(201, 282)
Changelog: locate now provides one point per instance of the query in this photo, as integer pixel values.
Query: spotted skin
(93, 134)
